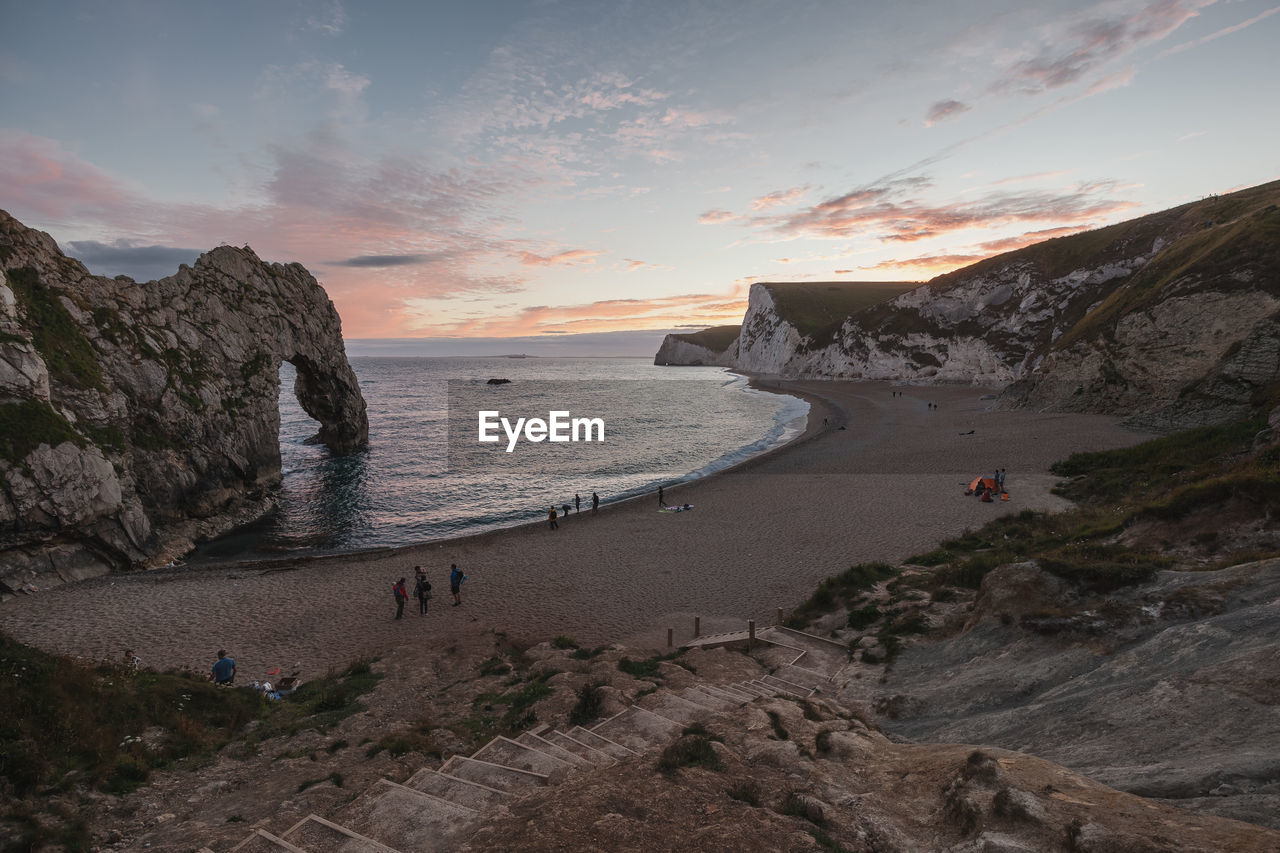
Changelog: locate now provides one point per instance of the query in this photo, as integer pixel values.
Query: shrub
(689, 751)
(863, 617)
(563, 642)
(587, 708)
(639, 668)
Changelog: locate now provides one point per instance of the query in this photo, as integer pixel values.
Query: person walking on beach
(402, 595)
(224, 669)
(577, 505)
(660, 502)
(422, 589)
(595, 503)
(456, 577)
(551, 519)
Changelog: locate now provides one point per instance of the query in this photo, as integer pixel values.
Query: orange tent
(986, 480)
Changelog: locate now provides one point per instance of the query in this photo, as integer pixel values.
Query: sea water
(424, 474)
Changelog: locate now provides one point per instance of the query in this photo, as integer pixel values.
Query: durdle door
(137, 418)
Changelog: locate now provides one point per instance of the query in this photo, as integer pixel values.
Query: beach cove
(761, 537)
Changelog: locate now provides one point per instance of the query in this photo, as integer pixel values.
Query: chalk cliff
(138, 418)
(1172, 318)
(713, 346)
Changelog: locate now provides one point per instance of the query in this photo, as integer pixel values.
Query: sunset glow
(528, 168)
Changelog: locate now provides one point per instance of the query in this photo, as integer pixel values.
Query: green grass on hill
(819, 309)
(717, 338)
(1166, 479)
(67, 728)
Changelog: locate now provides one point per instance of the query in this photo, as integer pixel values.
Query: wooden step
(600, 742)
(261, 841)
(598, 757)
(317, 835)
(510, 753)
(706, 699)
(497, 776)
(674, 707)
(756, 687)
(786, 687)
(408, 820)
(541, 744)
(461, 791)
(804, 677)
(638, 729)
(734, 690)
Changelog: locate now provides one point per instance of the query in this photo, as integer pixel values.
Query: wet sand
(761, 536)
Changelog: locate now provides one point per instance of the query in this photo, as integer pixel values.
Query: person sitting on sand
(131, 660)
(224, 669)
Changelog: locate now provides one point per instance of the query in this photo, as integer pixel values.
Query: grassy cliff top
(1207, 224)
(814, 306)
(716, 338)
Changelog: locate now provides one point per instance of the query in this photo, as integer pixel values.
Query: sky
(547, 169)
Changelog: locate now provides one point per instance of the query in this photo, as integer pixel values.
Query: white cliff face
(1175, 315)
(676, 351)
(767, 343)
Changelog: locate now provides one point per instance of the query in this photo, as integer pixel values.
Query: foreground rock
(1170, 690)
(138, 418)
(713, 751)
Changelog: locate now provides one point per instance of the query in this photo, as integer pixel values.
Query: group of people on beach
(553, 515)
(927, 405)
(422, 589)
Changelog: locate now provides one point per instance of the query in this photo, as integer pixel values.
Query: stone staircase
(437, 810)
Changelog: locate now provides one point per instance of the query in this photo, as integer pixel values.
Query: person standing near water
(577, 505)
(660, 503)
(422, 589)
(456, 577)
(402, 595)
(595, 503)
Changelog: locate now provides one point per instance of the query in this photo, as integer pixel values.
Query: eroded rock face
(138, 418)
(1173, 318)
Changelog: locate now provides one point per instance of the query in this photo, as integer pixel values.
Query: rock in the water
(136, 419)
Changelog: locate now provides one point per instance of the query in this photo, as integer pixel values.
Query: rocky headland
(1171, 319)
(137, 418)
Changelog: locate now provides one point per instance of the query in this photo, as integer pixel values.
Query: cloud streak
(890, 211)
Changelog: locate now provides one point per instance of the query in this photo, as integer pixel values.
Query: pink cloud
(943, 110)
(716, 216)
(572, 257)
(1088, 44)
(604, 315)
(891, 212)
(778, 198)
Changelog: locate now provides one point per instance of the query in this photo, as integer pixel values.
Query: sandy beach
(761, 536)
